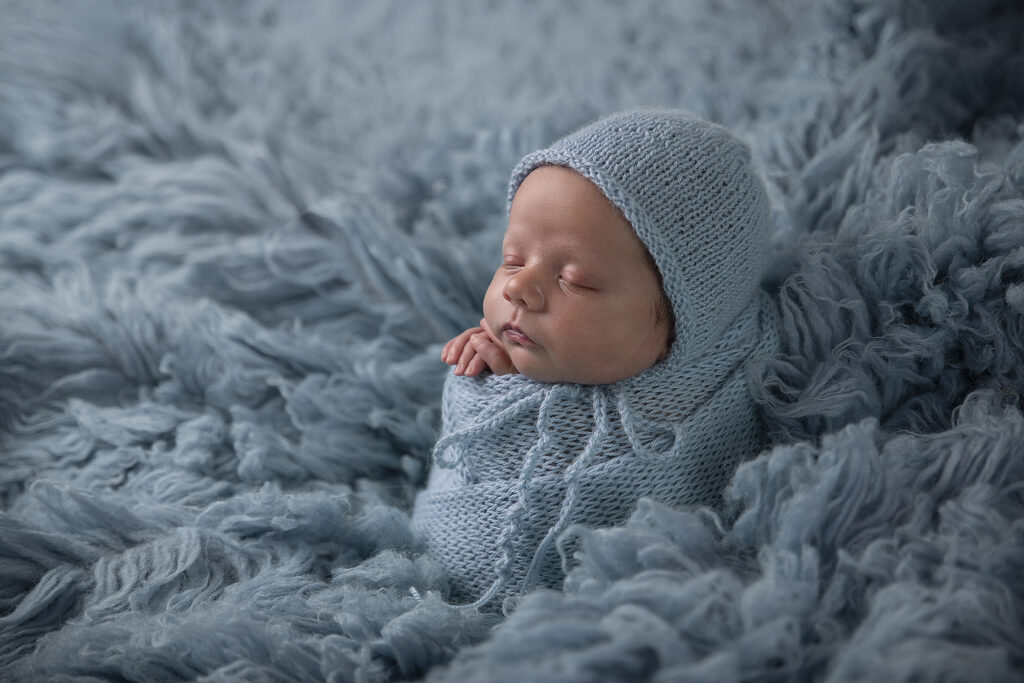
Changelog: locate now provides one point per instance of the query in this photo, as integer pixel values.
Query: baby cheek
(639, 330)
(492, 308)
(492, 296)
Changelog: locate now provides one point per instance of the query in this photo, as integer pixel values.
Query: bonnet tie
(517, 512)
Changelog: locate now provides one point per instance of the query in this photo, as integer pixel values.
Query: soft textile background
(233, 236)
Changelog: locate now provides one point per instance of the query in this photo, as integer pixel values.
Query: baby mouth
(514, 334)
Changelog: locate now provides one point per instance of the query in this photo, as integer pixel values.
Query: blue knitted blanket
(518, 461)
(234, 235)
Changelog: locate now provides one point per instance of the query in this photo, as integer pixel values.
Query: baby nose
(523, 290)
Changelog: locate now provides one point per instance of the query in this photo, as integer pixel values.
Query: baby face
(576, 296)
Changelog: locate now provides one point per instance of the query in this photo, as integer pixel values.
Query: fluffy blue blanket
(234, 235)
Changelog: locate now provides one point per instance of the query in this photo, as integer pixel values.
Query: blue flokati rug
(233, 237)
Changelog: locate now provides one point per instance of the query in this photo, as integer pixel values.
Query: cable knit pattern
(518, 461)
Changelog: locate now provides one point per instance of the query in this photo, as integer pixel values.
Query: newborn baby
(609, 362)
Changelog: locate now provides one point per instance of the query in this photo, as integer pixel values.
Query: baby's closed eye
(573, 285)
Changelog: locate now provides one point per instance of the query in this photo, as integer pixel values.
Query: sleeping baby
(609, 363)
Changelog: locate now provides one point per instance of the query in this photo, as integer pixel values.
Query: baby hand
(475, 349)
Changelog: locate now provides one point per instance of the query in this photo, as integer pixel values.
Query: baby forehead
(554, 184)
(558, 199)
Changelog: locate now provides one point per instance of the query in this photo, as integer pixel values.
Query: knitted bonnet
(687, 188)
(518, 460)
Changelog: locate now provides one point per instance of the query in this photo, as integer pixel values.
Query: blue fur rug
(234, 235)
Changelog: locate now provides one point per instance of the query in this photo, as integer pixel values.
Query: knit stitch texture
(518, 460)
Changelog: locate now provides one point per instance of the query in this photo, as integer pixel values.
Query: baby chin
(532, 362)
(528, 361)
(530, 358)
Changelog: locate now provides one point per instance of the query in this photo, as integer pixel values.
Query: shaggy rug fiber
(234, 235)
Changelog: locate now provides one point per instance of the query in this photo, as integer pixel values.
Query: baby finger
(467, 354)
(493, 355)
(475, 367)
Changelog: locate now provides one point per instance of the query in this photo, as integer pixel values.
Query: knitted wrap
(519, 460)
